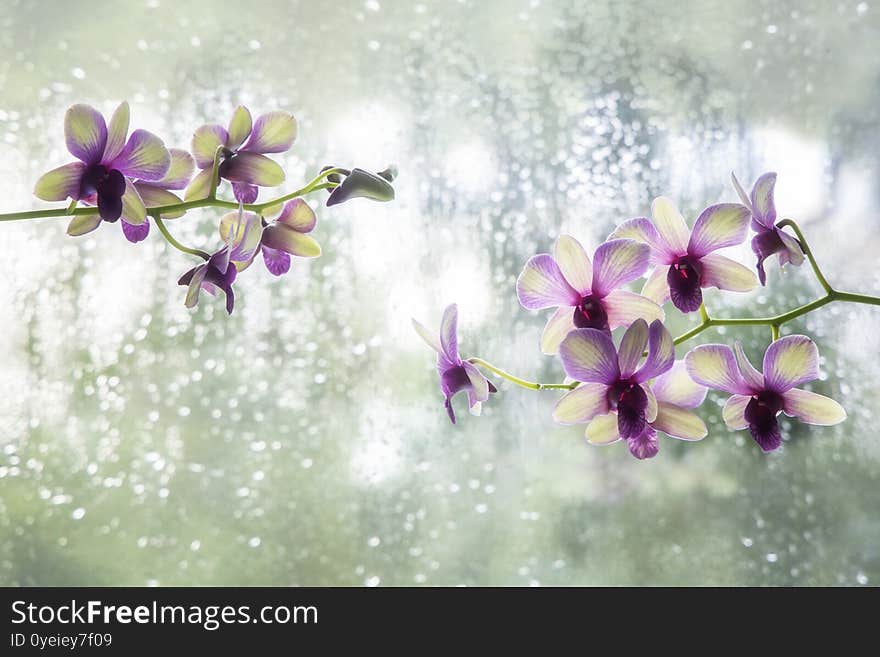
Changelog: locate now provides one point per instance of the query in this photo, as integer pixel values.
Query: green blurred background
(302, 440)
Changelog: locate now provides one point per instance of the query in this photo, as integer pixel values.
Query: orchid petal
(430, 338)
(714, 366)
(726, 274)
(789, 362)
(661, 353)
(542, 285)
(85, 133)
(670, 225)
(61, 183)
(194, 279)
(242, 234)
(623, 308)
(274, 132)
(574, 263)
(297, 214)
(643, 230)
(719, 226)
(652, 408)
(753, 378)
(478, 381)
(117, 131)
(645, 445)
(133, 209)
(144, 156)
(679, 423)
(557, 327)
(588, 355)
(156, 197)
(734, 412)
(618, 262)
(746, 201)
(631, 347)
(763, 205)
(276, 261)
(656, 287)
(239, 127)
(82, 224)
(135, 233)
(676, 387)
(205, 142)
(602, 430)
(812, 408)
(245, 193)
(582, 404)
(180, 170)
(793, 253)
(449, 333)
(200, 186)
(279, 236)
(254, 169)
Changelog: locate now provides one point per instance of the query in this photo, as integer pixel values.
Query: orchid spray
(632, 389)
(131, 178)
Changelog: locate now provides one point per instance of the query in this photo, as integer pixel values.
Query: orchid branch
(317, 183)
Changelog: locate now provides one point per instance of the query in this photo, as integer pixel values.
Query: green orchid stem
(173, 242)
(314, 185)
(775, 322)
(531, 385)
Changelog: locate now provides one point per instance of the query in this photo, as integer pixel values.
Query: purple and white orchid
(277, 241)
(685, 260)
(244, 144)
(157, 193)
(109, 163)
(612, 380)
(757, 399)
(585, 293)
(241, 235)
(676, 395)
(456, 375)
(769, 238)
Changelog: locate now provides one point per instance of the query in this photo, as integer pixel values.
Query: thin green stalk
(173, 242)
(807, 252)
(523, 383)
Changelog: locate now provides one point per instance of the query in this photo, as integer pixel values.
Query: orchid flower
(676, 394)
(109, 163)
(585, 293)
(456, 375)
(769, 238)
(685, 262)
(221, 269)
(277, 241)
(757, 399)
(243, 161)
(612, 380)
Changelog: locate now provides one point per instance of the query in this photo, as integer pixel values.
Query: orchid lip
(684, 279)
(761, 413)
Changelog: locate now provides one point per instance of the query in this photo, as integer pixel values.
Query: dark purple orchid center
(765, 244)
(760, 413)
(630, 401)
(453, 381)
(109, 185)
(684, 283)
(590, 313)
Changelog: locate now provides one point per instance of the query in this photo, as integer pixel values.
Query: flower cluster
(630, 387)
(133, 179)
